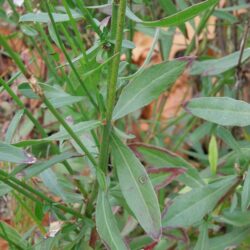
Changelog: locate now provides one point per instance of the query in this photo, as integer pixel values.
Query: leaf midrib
(195, 204)
(142, 90)
(131, 174)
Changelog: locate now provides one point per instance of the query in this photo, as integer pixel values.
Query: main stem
(113, 75)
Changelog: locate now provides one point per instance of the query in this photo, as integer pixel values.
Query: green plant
(133, 194)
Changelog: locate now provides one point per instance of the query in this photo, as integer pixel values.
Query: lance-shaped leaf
(13, 154)
(147, 86)
(236, 218)
(43, 17)
(78, 128)
(221, 110)
(191, 207)
(161, 159)
(137, 188)
(214, 67)
(179, 17)
(106, 224)
(228, 240)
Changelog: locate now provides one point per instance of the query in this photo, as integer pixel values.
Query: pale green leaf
(39, 167)
(137, 188)
(13, 154)
(43, 17)
(217, 66)
(221, 110)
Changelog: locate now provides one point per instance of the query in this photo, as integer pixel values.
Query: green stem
(111, 90)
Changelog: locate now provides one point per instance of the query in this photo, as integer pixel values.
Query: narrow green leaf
(245, 195)
(106, 224)
(161, 159)
(27, 30)
(13, 126)
(221, 110)
(137, 188)
(191, 207)
(11, 235)
(78, 128)
(147, 86)
(217, 66)
(232, 239)
(179, 17)
(39, 167)
(213, 155)
(13, 154)
(43, 17)
(236, 218)
(203, 240)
